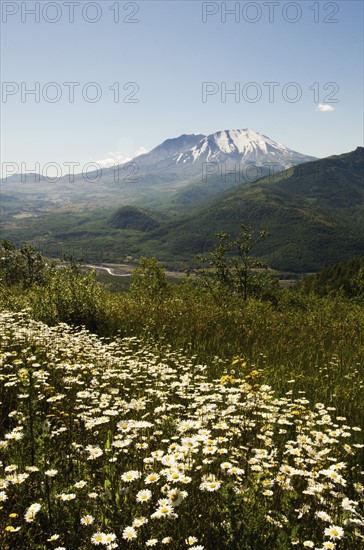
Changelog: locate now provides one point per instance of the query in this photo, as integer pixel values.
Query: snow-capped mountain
(186, 154)
(240, 145)
(173, 167)
(182, 158)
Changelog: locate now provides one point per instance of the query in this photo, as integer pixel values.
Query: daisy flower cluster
(125, 444)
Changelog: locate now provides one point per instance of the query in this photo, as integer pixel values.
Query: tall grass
(299, 342)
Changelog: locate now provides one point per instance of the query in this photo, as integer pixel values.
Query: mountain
(314, 214)
(240, 146)
(162, 156)
(186, 155)
(217, 161)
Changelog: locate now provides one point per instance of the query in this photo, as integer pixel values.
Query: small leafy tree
(149, 281)
(25, 266)
(232, 269)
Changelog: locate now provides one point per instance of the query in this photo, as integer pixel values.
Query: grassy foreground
(122, 444)
(193, 415)
(299, 343)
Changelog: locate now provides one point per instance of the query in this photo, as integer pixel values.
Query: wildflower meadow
(125, 444)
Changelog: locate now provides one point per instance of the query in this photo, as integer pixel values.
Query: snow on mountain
(240, 146)
(183, 157)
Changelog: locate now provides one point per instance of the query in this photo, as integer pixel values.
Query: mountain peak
(185, 157)
(240, 146)
(244, 141)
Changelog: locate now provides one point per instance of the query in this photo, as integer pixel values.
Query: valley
(313, 212)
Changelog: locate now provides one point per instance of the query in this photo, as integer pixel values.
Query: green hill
(314, 214)
(130, 217)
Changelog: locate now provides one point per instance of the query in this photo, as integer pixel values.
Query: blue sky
(167, 54)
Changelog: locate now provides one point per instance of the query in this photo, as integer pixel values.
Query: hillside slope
(314, 213)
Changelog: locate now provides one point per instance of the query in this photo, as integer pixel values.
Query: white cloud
(114, 158)
(119, 158)
(324, 108)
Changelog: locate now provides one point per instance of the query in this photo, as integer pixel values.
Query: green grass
(318, 342)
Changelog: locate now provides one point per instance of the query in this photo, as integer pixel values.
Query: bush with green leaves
(24, 267)
(149, 281)
(53, 292)
(233, 270)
